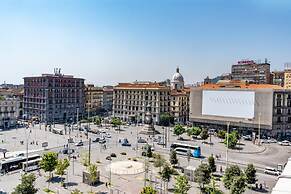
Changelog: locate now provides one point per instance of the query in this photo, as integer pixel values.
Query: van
(271, 171)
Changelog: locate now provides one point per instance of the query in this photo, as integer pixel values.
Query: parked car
(113, 155)
(141, 140)
(102, 141)
(70, 140)
(125, 142)
(108, 158)
(284, 143)
(247, 137)
(67, 151)
(271, 171)
(108, 135)
(80, 143)
(264, 141)
(272, 140)
(96, 140)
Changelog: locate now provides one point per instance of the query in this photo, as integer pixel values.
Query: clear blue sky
(110, 41)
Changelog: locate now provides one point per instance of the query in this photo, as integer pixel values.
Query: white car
(108, 135)
(271, 171)
(284, 143)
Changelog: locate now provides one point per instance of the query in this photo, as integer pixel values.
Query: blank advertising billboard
(238, 104)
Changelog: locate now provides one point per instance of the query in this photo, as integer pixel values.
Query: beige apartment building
(94, 99)
(287, 79)
(130, 100)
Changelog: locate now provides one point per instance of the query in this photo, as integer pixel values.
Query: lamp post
(227, 132)
(259, 130)
(26, 135)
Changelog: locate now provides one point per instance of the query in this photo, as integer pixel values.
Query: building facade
(54, 98)
(108, 98)
(287, 79)
(259, 108)
(278, 78)
(131, 99)
(251, 71)
(9, 112)
(94, 99)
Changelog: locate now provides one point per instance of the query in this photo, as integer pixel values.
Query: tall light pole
(227, 134)
(26, 148)
(259, 130)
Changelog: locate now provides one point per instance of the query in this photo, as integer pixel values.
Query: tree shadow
(71, 184)
(55, 179)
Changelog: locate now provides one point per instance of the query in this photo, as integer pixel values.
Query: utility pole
(259, 130)
(78, 117)
(228, 123)
(26, 148)
(89, 151)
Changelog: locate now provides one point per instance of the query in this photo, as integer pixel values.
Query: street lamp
(227, 132)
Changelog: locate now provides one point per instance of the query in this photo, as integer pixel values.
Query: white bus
(31, 165)
(15, 163)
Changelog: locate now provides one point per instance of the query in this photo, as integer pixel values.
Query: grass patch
(49, 191)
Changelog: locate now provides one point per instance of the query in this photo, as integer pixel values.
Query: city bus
(15, 163)
(183, 149)
(58, 131)
(31, 165)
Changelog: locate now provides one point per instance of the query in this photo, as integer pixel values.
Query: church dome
(177, 77)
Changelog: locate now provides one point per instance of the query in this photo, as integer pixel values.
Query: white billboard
(238, 104)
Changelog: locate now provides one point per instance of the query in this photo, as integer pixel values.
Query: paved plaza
(132, 183)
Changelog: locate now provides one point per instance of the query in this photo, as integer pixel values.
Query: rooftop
(145, 85)
(237, 84)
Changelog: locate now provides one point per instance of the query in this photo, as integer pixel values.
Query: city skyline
(107, 42)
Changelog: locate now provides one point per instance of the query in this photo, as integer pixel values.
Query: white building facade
(9, 112)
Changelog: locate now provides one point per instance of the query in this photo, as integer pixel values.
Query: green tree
(182, 185)
(239, 185)
(166, 119)
(85, 159)
(97, 120)
(232, 139)
(204, 134)
(221, 134)
(62, 166)
(148, 151)
(166, 174)
(49, 162)
(93, 174)
(213, 188)
(76, 191)
(179, 130)
(230, 173)
(202, 175)
(250, 174)
(116, 122)
(211, 163)
(173, 157)
(148, 190)
(195, 131)
(159, 161)
(27, 185)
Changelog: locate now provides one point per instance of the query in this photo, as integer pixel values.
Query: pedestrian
(220, 169)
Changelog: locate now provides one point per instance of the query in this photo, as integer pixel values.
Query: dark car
(96, 140)
(113, 155)
(80, 143)
(67, 151)
(140, 140)
(125, 142)
(102, 141)
(108, 158)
